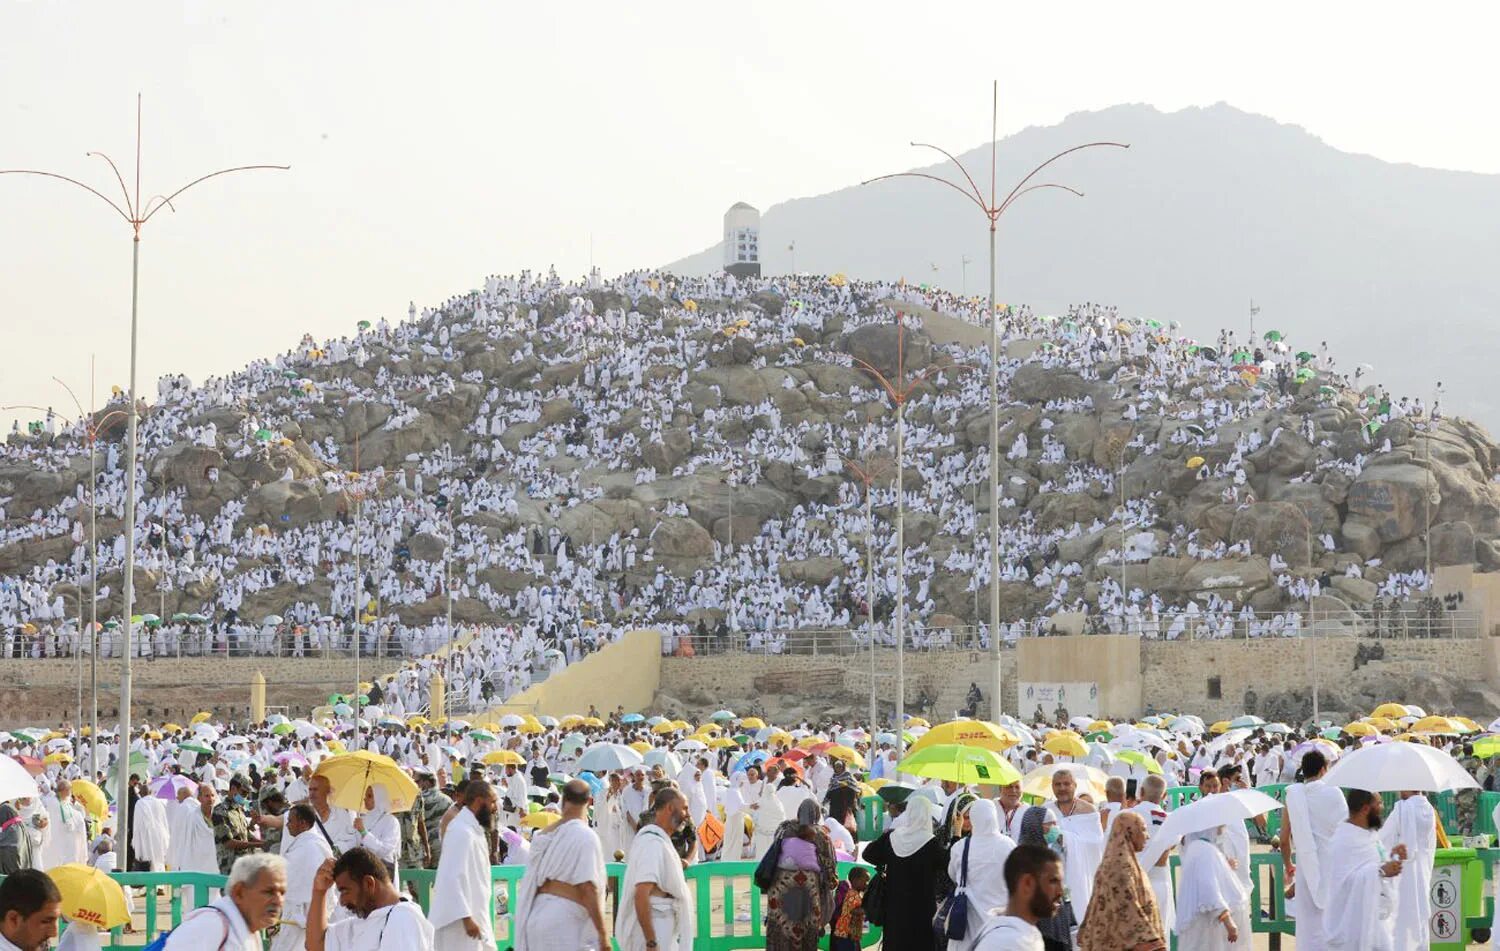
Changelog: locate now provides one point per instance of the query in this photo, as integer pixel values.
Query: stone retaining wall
(45, 692)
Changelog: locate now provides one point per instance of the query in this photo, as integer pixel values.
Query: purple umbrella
(166, 787)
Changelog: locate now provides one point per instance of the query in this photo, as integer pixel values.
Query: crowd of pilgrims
(206, 797)
(637, 362)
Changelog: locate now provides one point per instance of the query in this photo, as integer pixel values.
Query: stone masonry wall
(45, 692)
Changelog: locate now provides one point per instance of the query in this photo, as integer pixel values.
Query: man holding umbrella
(1361, 880)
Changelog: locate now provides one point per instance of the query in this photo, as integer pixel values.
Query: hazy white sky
(434, 143)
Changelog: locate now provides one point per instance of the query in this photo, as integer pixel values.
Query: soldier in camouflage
(232, 825)
(432, 805)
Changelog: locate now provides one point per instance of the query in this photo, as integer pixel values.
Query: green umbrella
(1154, 324)
(1101, 736)
(263, 434)
(281, 729)
(1305, 355)
(1137, 758)
(363, 325)
(960, 764)
(1272, 336)
(1486, 747)
(1303, 375)
(1242, 356)
(483, 736)
(290, 374)
(335, 698)
(196, 748)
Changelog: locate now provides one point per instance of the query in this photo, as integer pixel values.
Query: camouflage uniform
(230, 822)
(434, 806)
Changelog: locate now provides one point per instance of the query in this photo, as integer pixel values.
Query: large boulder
(1235, 578)
(890, 349)
(1453, 544)
(679, 537)
(1274, 528)
(1393, 499)
(1035, 383)
(817, 571)
(427, 546)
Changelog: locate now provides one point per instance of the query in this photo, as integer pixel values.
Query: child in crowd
(849, 911)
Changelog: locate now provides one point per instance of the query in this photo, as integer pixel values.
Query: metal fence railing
(1405, 623)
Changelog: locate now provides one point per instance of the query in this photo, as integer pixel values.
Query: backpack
(160, 943)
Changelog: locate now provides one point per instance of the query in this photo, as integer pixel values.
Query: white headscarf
(914, 827)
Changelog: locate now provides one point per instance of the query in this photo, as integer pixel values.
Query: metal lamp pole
(135, 214)
(867, 475)
(992, 210)
(900, 392)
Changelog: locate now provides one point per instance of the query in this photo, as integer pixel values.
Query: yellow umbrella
(679, 724)
(89, 896)
(366, 687)
(846, 754)
(1383, 724)
(570, 721)
(504, 758)
(752, 723)
(721, 743)
(807, 742)
(531, 729)
(92, 798)
(967, 733)
(201, 716)
(1221, 727)
(878, 784)
(1437, 725)
(594, 722)
(540, 820)
(1099, 725)
(1403, 738)
(350, 774)
(529, 719)
(1393, 710)
(166, 728)
(916, 721)
(152, 735)
(780, 737)
(1195, 462)
(1466, 723)
(1059, 744)
(664, 727)
(59, 757)
(1360, 729)
(641, 746)
(1090, 780)
(336, 746)
(710, 728)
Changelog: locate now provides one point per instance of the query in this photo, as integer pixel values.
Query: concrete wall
(625, 673)
(1113, 661)
(45, 692)
(1481, 592)
(1133, 674)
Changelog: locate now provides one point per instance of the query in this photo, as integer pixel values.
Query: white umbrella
(1207, 813)
(605, 757)
(15, 782)
(691, 746)
(1277, 728)
(668, 762)
(1140, 739)
(511, 720)
(1393, 767)
(1228, 738)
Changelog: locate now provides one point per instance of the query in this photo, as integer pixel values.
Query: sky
(433, 144)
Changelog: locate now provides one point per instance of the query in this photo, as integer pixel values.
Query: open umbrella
(1065, 744)
(607, 757)
(721, 715)
(752, 758)
(960, 764)
(691, 745)
(1246, 722)
(350, 774)
(90, 896)
(198, 748)
(1038, 782)
(165, 787)
(504, 758)
(627, 718)
(15, 781)
(92, 797)
(989, 736)
(1209, 813)
(667, 761)
(1392, 767)
(511, 721)
(1137, 758)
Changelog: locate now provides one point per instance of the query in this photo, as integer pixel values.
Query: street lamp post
(135, 214)
(992, 210)
(900, 392)
(867, 475)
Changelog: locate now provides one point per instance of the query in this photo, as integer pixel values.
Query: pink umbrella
(166, 787)
(291, 757)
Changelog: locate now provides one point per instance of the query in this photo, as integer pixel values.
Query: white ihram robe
(653, 859)
(462, 887)
(568, 852)
(1315, 811)
(304, 855)
(149, 833)
(1412, 823)
(1362, 903)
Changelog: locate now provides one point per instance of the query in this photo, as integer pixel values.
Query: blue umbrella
(595, 783)
(632, 718)
(752, 758)
(603, 757)
(886, 738)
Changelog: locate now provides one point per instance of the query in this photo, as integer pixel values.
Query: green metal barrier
(730, 882)
(1180, 796)
(1484, 815)
(1267, 898)
(871, 818)
(1276, 791)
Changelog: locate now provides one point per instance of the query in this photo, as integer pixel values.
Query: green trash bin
(1455, 894)
(871, 818)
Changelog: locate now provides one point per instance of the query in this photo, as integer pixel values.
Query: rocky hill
(653, 423)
